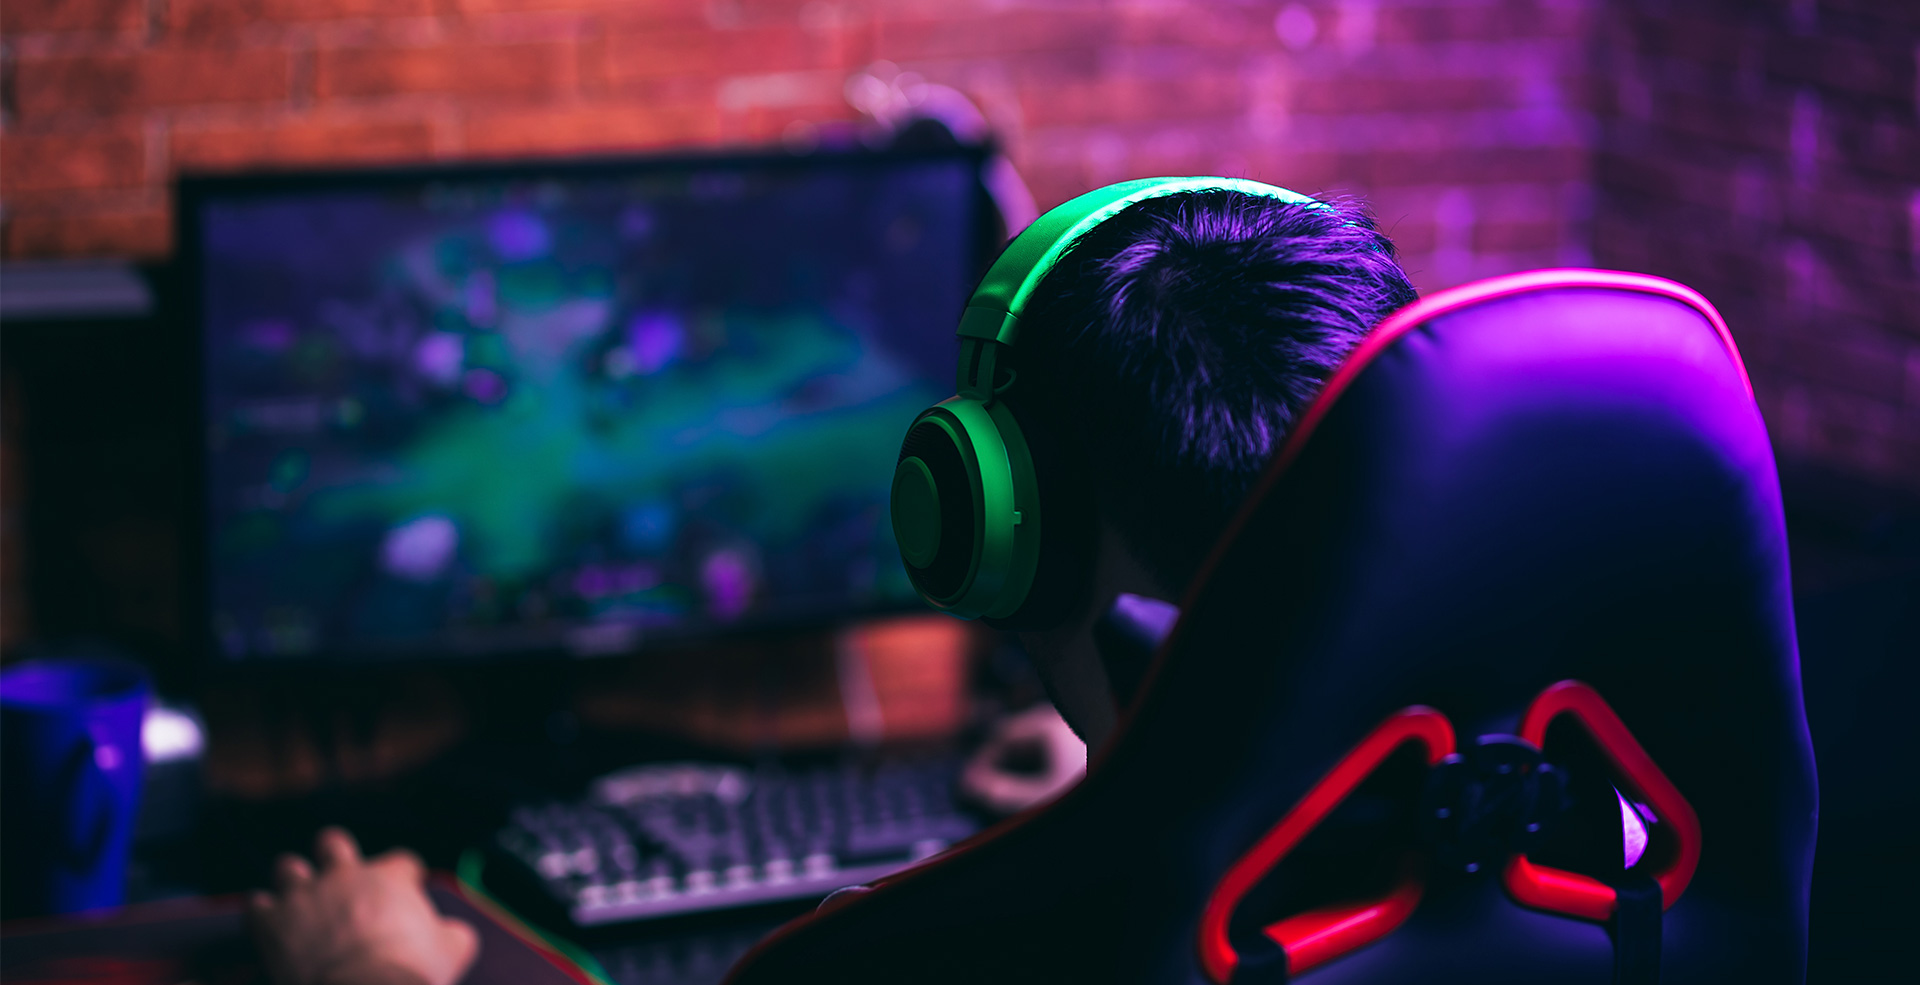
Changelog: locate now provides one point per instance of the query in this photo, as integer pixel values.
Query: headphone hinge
(989, 323)
(979, 361)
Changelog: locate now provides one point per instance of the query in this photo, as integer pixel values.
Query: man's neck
(1076, 680)
(1070, 662)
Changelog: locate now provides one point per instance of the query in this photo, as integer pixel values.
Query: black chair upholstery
(1549, 476)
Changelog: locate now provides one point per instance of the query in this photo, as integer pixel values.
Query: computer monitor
(499, 411)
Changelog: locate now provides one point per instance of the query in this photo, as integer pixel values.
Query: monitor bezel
(192, 190)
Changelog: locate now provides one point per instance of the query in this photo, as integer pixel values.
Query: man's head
(1168, 354)
(1177, 343)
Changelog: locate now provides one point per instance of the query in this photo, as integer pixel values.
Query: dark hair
(1175, 345)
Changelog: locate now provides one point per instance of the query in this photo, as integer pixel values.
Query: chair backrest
(1546, 477)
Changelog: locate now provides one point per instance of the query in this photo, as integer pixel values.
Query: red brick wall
(1459, 120)
(1769, 155)
(1478, 128)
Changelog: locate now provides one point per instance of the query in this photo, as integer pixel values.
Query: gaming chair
(1496, 663)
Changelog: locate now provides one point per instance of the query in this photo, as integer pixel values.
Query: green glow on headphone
(994, 311)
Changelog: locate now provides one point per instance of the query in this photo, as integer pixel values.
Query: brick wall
(1460, 120)
(1769, 155)
(1477, 128)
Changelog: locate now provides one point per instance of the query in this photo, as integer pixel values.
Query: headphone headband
(993, 313)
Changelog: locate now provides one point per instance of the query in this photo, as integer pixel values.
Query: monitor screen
(492, 412)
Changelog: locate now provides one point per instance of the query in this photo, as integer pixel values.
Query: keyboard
(670, 839)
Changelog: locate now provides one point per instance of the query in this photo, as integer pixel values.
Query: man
(1171, 351)
(1168, 355)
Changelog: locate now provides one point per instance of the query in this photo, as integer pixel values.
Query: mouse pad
(205, 942)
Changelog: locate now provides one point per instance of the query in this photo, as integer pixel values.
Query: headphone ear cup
(935, 509)
(965, 508)
(1063, 575)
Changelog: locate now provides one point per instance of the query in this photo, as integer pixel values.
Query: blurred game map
(464, 417)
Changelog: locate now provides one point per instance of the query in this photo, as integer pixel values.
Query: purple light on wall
(1913, 229)
(1803, 136)
(1295, 27)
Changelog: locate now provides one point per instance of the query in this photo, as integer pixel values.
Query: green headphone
(968, 505)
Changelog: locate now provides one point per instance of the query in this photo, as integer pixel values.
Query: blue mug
(70, 764)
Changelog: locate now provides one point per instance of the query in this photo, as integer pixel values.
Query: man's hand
(357, 921)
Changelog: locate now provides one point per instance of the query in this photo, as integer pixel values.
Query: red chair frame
(1559, 891)
(1321, 935)
(1318, 936)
